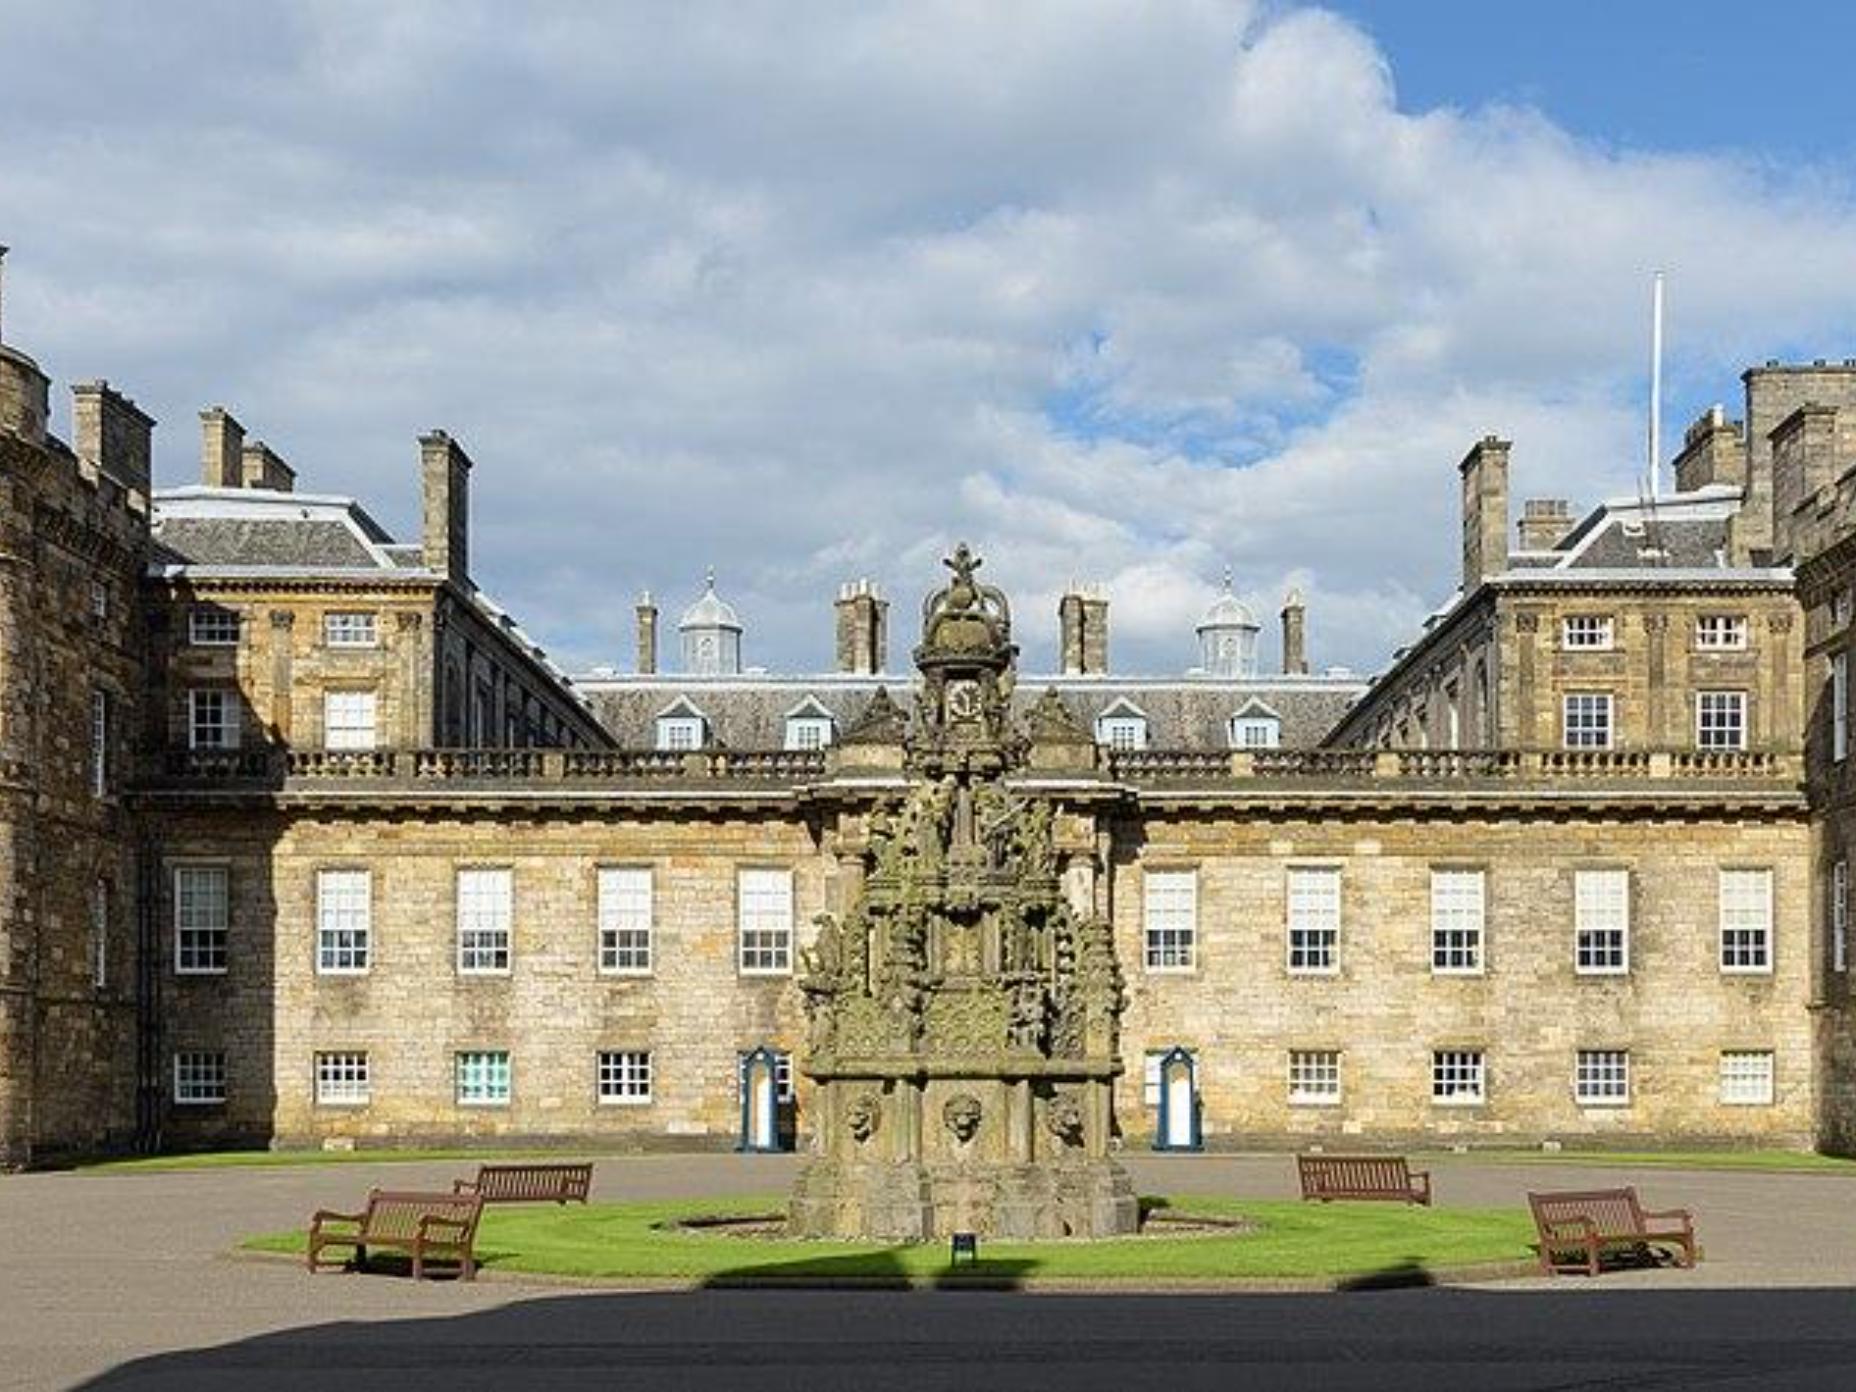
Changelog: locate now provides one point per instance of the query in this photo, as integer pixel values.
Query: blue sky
(1122, 293)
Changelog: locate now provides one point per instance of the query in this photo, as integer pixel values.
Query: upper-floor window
(1720, 720)
(625, 919)
(1122, 731)
(807, 732)
(1585, 631)
(1840, 608)
(485, 912)
(348, 720)
(1170, 919)
(1720, 632)
(99, 600)
(681, 726)
(344, 921)
(99, 743)
(212, 719)
(210, 626)
(1746, 921)
(1840, 706)
(1456, 921)
(100, 935)
(1840, 916)
(1588, 720)
(199, 1077)
(347, 630)
(1601, 922)
(766, 921)
(202, 912)
(1314, 919)
(1255, 726)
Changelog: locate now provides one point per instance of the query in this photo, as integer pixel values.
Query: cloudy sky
(1123, 293)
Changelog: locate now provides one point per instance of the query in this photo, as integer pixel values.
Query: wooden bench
(1579, 1228)
(1330, 1177)
(544, 1183)
(430, 1227)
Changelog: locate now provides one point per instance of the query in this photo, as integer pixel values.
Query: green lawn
(1337, 1241)
(264, 1159)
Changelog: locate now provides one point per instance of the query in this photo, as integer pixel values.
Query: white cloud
(1122, 292)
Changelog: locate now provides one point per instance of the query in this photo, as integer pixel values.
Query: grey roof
(1653, 544)
(250, 542)
(1183, 713)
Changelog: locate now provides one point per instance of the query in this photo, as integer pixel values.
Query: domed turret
(1228, 636)
(711, 634)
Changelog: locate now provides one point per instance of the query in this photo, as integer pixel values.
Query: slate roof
(749, 712)
(263, 529)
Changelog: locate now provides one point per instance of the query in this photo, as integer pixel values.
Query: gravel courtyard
(122, 1280)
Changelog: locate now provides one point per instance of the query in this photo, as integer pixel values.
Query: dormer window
(682, 727)
(1122, 726)
(809, 725)
(1591, 632)
(1256, 726)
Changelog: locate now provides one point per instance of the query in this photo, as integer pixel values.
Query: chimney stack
(1773, 393)
(1485, 510)
(222, 449)
(445, 478)
(1544, 523)
(1294, 635)
(1713, 451)
(863, 628)
(112, 433)
(1082, 627)
(262, 467)
(1804, 459)
(647, 634)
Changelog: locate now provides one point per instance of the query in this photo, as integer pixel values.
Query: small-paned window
(342, 1079)
(680, 732)
(1456, 922)
(1601, 922)
(485, 910)
(344, 921)
(1592, 631)
(199, 1078)
(625, 1077)
(1840, 916)
(1601, 1078)
(766, 921)
(1170, 919)
(1457, 1077)
(210, 626)
(1122, 732)
(1255, 732)
(1314, 1077)
(202, 910)
(212, 718)
(1720, 632)
(350, 630)
(1314, 919)
(1746, 921)
(625, 920)
(348, 720)
(483, 1078)
(807, 732)
(1720, 720)
(1746, 1078)
(1588, 720)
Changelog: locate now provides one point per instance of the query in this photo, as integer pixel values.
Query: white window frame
(1839, 706)
(1312, 945)
(1256, 732)
(1459, 1078)
(1840, 916)
(1459, 912)
(99, 600)
(477, 1074)
(225, 728)
(808, 732)
(1314, 1078)
(764, 921)
(1123, 733)
(200, 1078)
(1748, 1078)
(202, 946)
(680, 734)
(1720, 720)
(485, 920)
(1601, 922)
(1587, 633)
(350, 628)
(1720, 633)
(1170, 922)
(344, 1078)
(350, 720)
(1601, 1078)
(99, 742)
(627, 903)
(344, 922)
(1585, 714)
(1746, 945)
(623, 1077)
(210, 626)
(100, 898)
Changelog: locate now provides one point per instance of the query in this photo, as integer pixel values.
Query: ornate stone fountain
(963, 1019)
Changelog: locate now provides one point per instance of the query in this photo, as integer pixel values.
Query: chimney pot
(444, 471)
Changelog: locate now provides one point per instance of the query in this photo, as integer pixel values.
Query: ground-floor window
(625, 1077)
(1457, 1077)
(1746, 1077)
(483, 1078)
(199, 1077)
(1601, 1077)
(1314, 1077)
(342, 1079)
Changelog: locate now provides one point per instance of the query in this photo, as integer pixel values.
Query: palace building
(305, 842)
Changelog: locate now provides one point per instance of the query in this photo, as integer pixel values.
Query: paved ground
(119, 1281)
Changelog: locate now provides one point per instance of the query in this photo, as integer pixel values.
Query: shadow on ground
(1578, 1334)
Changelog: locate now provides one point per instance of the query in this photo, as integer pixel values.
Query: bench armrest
(433, 1220)
(329, 1215)
(1688, 1218)
(1579, 1226)
(463, 1186)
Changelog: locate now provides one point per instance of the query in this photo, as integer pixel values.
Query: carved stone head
(1064, 1118)
(864, 1116)
(962, 1116)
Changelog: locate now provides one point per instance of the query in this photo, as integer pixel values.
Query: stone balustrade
(1310, 769)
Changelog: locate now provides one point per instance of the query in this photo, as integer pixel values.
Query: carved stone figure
(864, 1116)
(1063, 1118)
(961, 1114)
